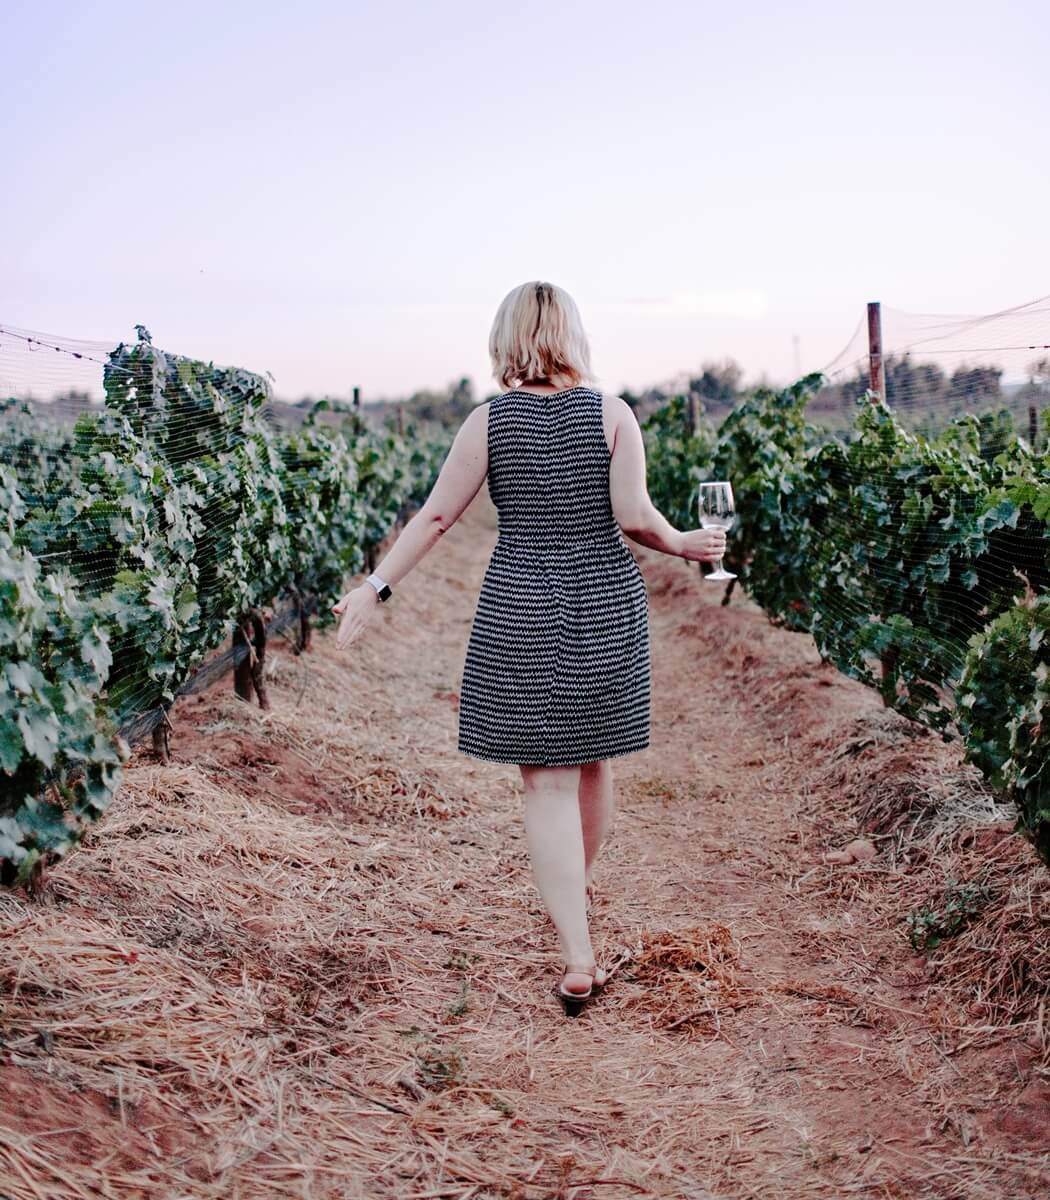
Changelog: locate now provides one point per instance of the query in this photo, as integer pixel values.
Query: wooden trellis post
(876, 367)
(877, 383)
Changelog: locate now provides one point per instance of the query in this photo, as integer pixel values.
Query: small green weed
(929, 926)
(461, 1004)
(437, 1066)
(461, 961)
(501, 1105)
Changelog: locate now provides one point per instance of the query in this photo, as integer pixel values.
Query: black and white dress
(557, 667)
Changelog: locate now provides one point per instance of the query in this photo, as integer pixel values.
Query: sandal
(573, 1002)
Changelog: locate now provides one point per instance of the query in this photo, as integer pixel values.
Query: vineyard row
(919, 565)
(136, 543)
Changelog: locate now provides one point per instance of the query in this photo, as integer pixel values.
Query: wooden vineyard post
(876, 367)
(877, 383)
(1033, 427)
(400, 420)
(248, 673)
(357, 397)
(302, 622)
(693, 412)
(305, 629)
(161, 737)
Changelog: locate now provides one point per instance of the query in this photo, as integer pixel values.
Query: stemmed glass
(717, 512)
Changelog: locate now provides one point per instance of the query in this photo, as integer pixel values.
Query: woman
(557, 672)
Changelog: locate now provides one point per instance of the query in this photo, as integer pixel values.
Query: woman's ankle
(578, 958)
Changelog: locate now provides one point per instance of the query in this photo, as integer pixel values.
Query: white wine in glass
(717, 512)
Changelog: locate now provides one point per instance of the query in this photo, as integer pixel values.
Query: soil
(306, 959)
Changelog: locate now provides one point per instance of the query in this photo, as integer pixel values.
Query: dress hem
(575, 762)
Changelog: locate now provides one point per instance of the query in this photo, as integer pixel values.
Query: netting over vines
(939, 367)
(916, 552)
(151, 506)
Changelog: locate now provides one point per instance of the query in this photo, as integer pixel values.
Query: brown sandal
(573, 1002)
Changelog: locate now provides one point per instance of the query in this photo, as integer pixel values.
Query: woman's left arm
(461, 476)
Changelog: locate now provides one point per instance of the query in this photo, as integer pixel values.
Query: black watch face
(384, 592)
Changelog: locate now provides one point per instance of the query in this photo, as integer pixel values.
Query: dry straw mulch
(306, 959)
(687, 977)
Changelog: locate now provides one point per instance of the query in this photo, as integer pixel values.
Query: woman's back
(557, 667)
(548, 472)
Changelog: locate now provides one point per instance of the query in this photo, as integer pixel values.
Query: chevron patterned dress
(557, 667)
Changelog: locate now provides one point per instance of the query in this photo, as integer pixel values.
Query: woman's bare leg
(555, 836)
(597, 808)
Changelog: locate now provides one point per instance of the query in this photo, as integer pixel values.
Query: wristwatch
(382, 588)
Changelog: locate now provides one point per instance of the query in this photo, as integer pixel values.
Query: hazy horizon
(341, 195)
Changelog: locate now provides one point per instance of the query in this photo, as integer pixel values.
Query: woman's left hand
(356, 609)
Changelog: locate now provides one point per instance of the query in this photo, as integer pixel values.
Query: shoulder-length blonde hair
(538, 334)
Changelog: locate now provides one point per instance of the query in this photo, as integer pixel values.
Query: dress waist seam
(611, 538)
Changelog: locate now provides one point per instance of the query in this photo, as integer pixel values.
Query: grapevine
(908, 558)
(134, 545)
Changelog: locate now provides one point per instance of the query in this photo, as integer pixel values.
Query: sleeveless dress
(557, 669)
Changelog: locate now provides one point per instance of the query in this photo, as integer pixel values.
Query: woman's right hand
(355, 610)
(704, 545)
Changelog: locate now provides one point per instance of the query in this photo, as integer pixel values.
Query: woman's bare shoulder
(615, 411)
(615, 403)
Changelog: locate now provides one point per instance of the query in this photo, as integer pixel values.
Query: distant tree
(73, 397)
(1039, 372)
(914, 387)
(917, 391)
(718, 384)
(974, 389)
(448, 406)
(68, 405)
(1037, 390)
(909, 386)
(461, 397)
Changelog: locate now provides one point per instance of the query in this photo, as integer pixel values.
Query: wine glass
(717, 512)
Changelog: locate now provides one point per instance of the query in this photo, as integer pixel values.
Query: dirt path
(306, 958)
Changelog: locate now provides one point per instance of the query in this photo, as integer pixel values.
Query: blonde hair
(538, 334)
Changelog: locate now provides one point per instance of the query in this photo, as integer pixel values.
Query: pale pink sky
(342, 193)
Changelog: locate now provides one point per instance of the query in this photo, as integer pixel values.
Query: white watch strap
(376, 582)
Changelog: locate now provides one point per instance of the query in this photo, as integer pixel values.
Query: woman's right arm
(635, 512)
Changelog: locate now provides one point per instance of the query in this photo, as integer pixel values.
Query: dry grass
(687, 977)
(940, 830)
(306, 959)
(937, 827)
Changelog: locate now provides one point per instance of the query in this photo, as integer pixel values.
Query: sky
(342, 193)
